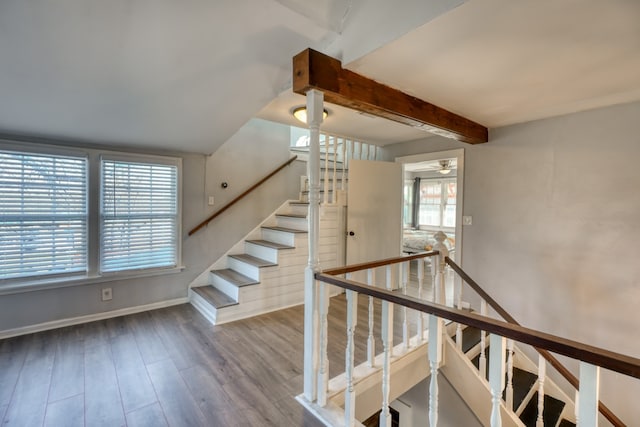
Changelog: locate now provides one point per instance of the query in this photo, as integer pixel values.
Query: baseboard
(89, 318)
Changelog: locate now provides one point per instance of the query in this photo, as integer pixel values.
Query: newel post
(439, 296)
(315, 101)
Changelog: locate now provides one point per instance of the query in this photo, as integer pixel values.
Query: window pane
(430, 200)
(43, 220)
(139, 216)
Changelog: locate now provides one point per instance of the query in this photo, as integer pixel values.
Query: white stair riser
(292, 222)
(281, 237)
(276, 286)
(244, 268)
(206, 309)
(263, 252)
(224, 286)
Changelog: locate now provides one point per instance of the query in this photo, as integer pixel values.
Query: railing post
(435, 358)
(315, 102)
(350, 395)
(325, 175)
(387, 342)
(440, 266)
(589, 391)
(334, 192)
(542, 373)
(496, 377)
(371, 341)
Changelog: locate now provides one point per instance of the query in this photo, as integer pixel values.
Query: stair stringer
(474, 390)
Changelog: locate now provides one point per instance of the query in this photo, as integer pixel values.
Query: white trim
(54, 324)
(459, 155)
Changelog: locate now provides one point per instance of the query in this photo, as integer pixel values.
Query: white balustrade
(420, 314)
(405, 325)
(589, 394)
(483, 344)
(496, 377)
(542, 373)
(435, 358)
(509, 392)
(327, 140)
(334, 193)
(350, 395)
(371, 341)
(387, 343)
(439, 267)
(323, 368)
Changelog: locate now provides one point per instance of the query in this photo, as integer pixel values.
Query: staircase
(558, 410)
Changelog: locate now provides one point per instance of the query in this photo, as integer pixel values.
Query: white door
(374, 211)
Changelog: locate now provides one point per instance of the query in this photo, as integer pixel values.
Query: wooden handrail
(553, 361)
(388, 261)
(234, 201)
(617, 362)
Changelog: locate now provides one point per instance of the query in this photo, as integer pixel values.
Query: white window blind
(139, 216)
(43, 214)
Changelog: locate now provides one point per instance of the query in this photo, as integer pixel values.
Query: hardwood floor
(169, 367)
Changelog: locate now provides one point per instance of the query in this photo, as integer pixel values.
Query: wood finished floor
(169, 367)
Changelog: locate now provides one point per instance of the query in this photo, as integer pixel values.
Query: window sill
(55, 283)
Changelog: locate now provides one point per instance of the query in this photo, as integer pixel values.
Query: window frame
(444, 195)
(93, 158)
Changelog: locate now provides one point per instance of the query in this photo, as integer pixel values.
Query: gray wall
(253, 152)
(555, 205)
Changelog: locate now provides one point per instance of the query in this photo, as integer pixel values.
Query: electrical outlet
(467, 220)
(107, 294)
(211, 200)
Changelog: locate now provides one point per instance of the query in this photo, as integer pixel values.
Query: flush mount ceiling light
(300, 113)
(445, 167)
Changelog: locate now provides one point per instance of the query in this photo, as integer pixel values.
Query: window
(407, 209)
(43, 215)
(437, 203)
(139, 215)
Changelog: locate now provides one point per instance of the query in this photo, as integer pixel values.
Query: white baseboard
(54, 324)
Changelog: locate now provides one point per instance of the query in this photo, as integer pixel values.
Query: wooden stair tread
(470, 338)
(292, 215)
(269, 244)
(522, 383)
(252, 260)
(552, 411)
(234, 277)
(298, 203)
(214, 297)
(285, 229)
(566, 423)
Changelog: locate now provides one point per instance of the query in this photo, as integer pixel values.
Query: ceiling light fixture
(300, 113)
(445, 167)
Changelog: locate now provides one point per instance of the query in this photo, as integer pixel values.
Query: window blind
(43, 214)
(139, 215)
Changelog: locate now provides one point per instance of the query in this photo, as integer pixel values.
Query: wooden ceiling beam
(315, 70)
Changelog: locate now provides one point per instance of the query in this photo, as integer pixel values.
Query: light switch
(467, 220)
(211, 200)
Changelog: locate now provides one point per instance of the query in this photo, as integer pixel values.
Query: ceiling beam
(315, 70)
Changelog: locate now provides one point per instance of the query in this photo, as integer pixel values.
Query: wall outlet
(107, 294)
(211, 200)
(467, 220)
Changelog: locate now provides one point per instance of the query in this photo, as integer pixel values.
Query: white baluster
(483, 344)
(343, 185)
(509, 393)
(389, 286)
(315, 100)
(576, 410)
(459, 306)
(371, 341)
(420, 314)
(335, 171)
(435, 357)
(387, 342)
(589, 391)
(405, 324)
(325, 175)
(542, 372)
(350, 395)
(323, 372)
(496, 377)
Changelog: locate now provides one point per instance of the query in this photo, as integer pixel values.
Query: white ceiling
(187, 75)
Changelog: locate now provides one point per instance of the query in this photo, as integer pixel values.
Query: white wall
(255, 150)
(555, 206)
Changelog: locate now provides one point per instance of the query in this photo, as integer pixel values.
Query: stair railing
(338, 151)
(591, 358)
(544, 353)
(241, 196)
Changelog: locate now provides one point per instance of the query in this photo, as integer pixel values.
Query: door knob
(351, 233)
